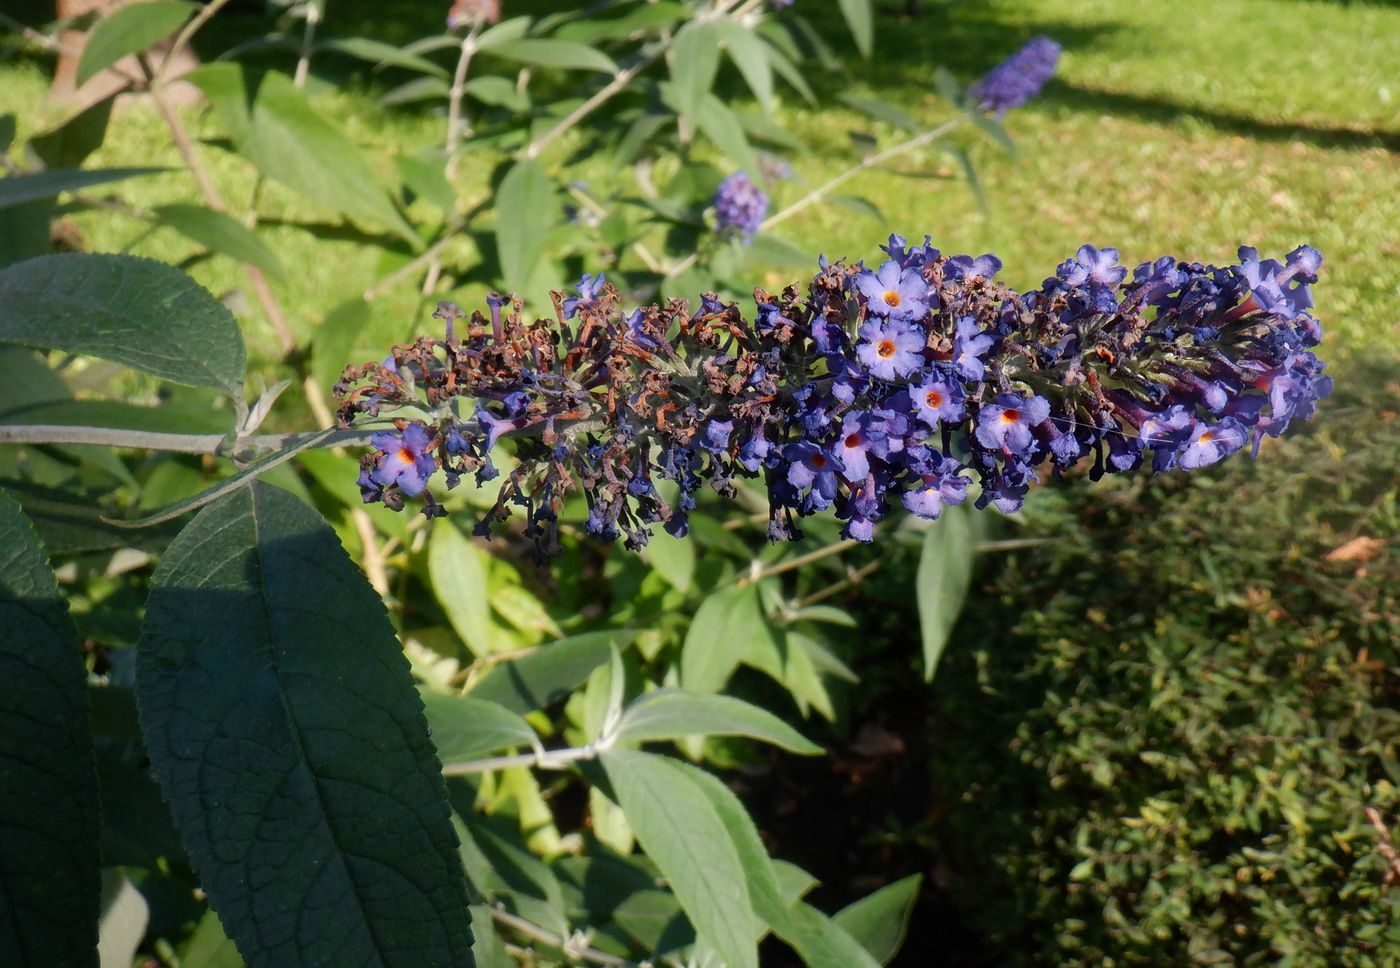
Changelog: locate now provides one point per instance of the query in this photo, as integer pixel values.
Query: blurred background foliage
(1165, 728)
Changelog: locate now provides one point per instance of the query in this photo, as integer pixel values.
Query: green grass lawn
(1186, 130)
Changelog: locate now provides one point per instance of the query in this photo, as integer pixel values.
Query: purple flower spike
(1019, 78)
(894, 292)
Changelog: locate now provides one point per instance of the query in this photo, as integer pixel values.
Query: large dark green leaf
(18, 189)
(945, 571)
(139, 312)
(49, 812)
(686, 837)
(284, 728)
(129, 30)
(274, 126)
(524, 213)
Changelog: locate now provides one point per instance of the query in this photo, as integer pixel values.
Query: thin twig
(788, 564)
(853, 577)
(541, 759)
(410, 267)
(211, 444)
(308, 37)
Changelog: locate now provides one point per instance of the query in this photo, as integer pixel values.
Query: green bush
(1169, 757)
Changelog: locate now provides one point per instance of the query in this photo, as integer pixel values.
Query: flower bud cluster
(909, 384)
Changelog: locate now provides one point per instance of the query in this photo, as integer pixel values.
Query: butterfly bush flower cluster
(740, 206)
(916, 382)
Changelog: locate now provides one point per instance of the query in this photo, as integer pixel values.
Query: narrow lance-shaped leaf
(694, 63)
(530, 682)
(139, 312)
(945, 571)
(129, 30)
(680, 830)
(671, 714)
(861, 21)
(221, 233)
(524, 214)
(288, 738)
(276, 128)
(19, 189)
(49, 812)
(879, 921)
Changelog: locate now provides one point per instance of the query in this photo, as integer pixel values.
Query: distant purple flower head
(890, 349)
(740, 205)
(1019, 78)
(407, 462)
(464, 13)
(894, 292)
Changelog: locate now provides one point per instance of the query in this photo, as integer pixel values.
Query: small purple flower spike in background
(899, 386)
(740, 205)
(1017, 79)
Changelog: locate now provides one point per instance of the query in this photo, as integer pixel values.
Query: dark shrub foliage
(1169, 757)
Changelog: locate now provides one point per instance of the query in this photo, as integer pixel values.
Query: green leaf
(18, 189)
(683, 833)
(138, 312)
(129, 30)
(499, 92)
(282, 723)
(859, 19)
(880, 921)
(750, 56)
(532, 682)
(881, 111)
(418, 89)
(464, 727)
(562, 54)
(458, 572)
(276, 128)
(694, 64)
(7, 131)
(822, 943)
(729, 628)
(424, 177)
(723, 128)
(994, 130)
(49, 810)
(673, 559)
(220, 233)
(524, 214)
(671, 714)
(790, 72)
(778, 251)
(377, 52)
(945, 571)
(209, 947)
(69, 144)
(857, 203)
(335, 340)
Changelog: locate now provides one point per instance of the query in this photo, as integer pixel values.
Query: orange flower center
(1205, 438)
(406, 455)
(853, 440)
(818, 460)
(934, 399)
(1010, 416)
(885, 348)
(891, 298)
